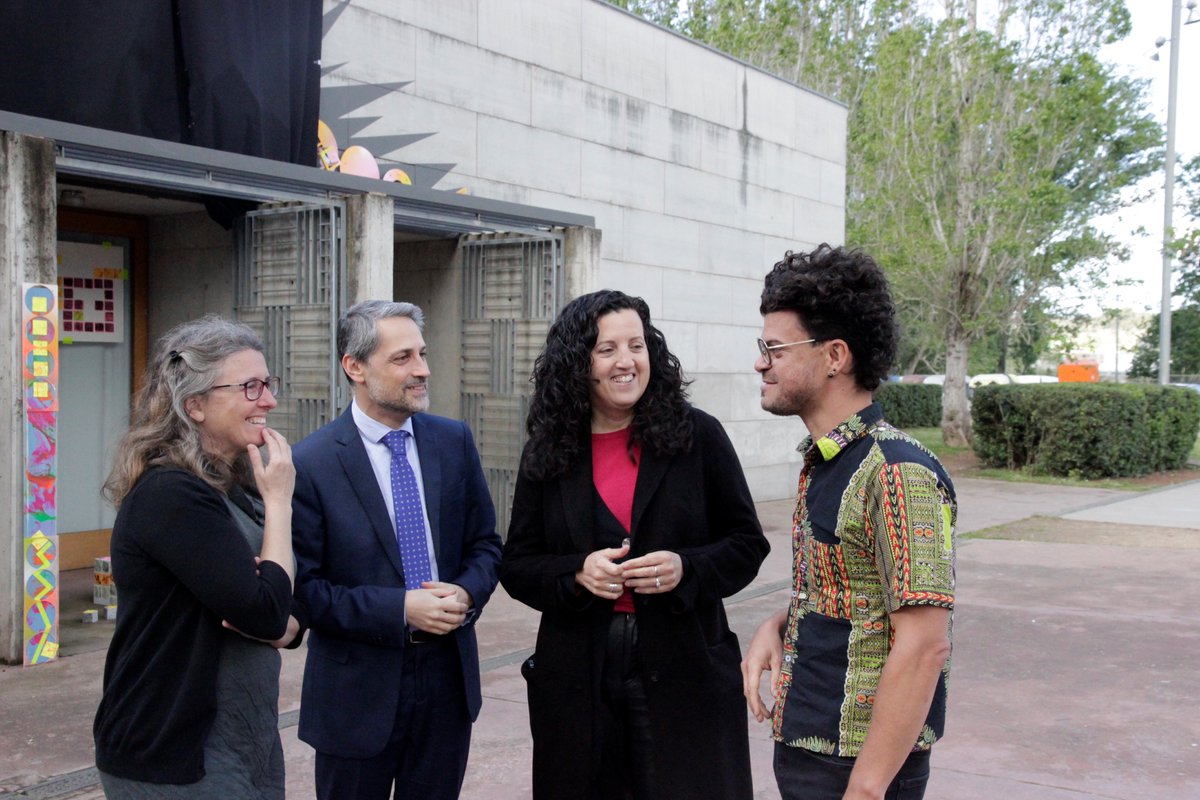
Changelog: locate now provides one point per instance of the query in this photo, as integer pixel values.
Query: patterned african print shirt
(873, 532)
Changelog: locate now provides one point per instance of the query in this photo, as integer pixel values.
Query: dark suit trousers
(426, 756)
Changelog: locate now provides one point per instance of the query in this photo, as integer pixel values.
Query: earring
(831, 373)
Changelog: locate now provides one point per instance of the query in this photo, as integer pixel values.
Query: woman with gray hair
(202, 559)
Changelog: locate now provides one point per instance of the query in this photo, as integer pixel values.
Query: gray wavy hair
(187, 363)
(358, 335)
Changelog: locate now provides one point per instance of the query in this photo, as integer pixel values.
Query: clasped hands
(437, 607)
(653, 573)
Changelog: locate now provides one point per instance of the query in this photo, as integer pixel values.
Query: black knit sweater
(181, 565)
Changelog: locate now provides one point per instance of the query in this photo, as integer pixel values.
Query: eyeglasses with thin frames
(253, 388)
(766, 349)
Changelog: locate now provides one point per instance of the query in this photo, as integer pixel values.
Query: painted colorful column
(39, 366)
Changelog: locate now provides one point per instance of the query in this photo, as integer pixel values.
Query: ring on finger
(612, 587)
(656, 570)
(658, 583)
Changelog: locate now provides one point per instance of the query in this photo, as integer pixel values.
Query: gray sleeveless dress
(243, 756)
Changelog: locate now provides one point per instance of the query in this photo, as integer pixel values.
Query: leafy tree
(976, 158)
(1187, 246)
(1185, 345)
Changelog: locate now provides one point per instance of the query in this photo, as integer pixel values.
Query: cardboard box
(104, 590)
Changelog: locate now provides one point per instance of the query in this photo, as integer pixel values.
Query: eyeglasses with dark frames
(766, 349)
(253, 388)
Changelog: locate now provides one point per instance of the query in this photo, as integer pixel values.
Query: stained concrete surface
(1073, 676)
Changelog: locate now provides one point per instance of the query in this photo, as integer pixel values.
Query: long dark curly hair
(560, 412)
(839, 294)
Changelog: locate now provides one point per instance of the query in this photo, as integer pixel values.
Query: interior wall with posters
(95, 377)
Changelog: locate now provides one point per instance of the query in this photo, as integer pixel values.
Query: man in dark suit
(397, 552)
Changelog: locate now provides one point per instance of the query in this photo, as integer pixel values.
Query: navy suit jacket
(350, 581)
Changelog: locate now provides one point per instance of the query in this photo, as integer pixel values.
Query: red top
(615, 475)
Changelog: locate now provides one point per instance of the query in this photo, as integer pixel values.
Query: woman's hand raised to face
(277, 478)
(601, 574)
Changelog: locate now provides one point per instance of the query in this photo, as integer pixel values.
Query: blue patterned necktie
(410, 517)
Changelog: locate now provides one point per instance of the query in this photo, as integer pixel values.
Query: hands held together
(653, 573)
(437, 607)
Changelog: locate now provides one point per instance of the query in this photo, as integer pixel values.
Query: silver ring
(658, 583)
(656, 570)
(612, 587)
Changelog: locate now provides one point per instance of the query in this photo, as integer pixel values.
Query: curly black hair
(839, 294)
(560, 411)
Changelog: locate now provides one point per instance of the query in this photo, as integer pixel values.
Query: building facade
(547, 149)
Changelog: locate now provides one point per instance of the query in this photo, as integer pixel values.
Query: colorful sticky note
(41, 369)
(41, 390)
(40, 306)
(39, 327)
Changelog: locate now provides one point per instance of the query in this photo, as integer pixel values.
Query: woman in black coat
(631, 521)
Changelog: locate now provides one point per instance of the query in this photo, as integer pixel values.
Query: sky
(1151, 20)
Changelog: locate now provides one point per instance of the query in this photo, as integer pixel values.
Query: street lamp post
(1164, 319)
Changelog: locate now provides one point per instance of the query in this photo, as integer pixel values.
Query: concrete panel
(638, 280)
(725, 348)
(623, 53)
(711, 393)
(191, 271)
(545, 33)
(573, 107)
(458, 19)
(662, 240)
(733, 395)
(680, 336)
(702, 82)
(788, 170)
(371, 46)
(770, 108)
(769, 441)
(819, 221)
(491, 189)
(712, 299)
(660, 132)
(622, 178)
(794, 117)
(833, 184)
(820, 126)
(453, 139)
(454, 73)
(525, 155)
(703, 196)
(771, 481)
(710, 198)
(730, 251)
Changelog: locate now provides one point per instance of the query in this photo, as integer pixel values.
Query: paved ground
(1076, 647)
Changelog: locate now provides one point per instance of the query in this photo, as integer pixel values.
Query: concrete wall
(699, 170)
(191, 271)
(428, 274)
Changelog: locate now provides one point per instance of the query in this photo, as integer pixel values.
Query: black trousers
(805, 775)
(627, 749)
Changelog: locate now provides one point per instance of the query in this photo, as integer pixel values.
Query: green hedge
(1085, 430)
(911, 405)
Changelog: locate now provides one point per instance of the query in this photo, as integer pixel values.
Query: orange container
(1079, 372)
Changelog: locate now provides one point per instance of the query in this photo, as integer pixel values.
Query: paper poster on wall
(91, 289)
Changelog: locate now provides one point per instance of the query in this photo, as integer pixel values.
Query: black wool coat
(698, 505)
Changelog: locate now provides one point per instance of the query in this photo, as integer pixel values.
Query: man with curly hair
(860, 657)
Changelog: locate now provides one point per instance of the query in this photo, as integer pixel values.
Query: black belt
(422, 637)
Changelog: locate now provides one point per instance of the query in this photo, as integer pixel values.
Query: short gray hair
(358, 335)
